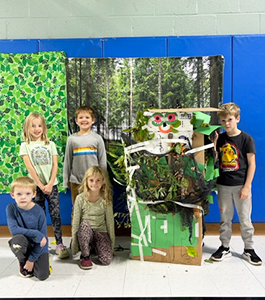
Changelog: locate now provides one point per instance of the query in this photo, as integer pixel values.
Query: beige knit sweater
(99, 215)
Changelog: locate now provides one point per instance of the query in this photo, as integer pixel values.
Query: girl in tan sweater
(93, 221)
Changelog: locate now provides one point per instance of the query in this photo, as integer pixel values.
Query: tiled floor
(130, 278)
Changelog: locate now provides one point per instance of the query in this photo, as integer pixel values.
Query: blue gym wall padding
(244, 84)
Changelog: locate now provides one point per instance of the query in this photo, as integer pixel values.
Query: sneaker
(221, 253)
(251, 256)
(61, 251)
(85, 263)
(25, 273)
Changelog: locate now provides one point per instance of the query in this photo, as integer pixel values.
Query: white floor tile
(14, 286)
(143, 285)
(102, 284)
(239, 285)
(189, 285)
(132, 278)
(55, 286)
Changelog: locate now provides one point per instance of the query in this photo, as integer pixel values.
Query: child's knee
(43, 275)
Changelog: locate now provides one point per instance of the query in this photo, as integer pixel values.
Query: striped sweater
(82, 152)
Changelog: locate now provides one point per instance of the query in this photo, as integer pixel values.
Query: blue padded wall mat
(78, 48)
(243, 83)
(249, 94)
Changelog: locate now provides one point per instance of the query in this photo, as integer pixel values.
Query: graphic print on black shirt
(229, 154)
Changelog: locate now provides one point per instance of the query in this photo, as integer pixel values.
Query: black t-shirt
(232, 154)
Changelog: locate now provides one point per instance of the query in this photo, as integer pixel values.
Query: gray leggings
(228, 197)
(41, 268)
(54, 210)
(88, 237)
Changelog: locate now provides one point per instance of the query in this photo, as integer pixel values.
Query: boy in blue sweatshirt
(27, 224)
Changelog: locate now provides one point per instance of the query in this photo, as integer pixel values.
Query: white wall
(29, 19)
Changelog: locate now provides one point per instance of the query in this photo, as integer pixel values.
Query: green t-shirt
(41, 158)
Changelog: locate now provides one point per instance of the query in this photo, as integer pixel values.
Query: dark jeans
(21, 247)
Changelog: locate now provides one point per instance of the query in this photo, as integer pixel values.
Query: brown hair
(26, 127)
(23, 181)
(87, 109)
(228, 109)
(106, 187)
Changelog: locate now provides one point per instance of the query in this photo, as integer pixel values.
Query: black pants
(54, 210)
(21, 247)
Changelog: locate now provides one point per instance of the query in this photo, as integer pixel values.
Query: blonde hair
(229, 109)
(23, 181)
(26, 128)
(106, 190)
(86, 109)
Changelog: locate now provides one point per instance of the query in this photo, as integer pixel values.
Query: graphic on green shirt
(31, 82)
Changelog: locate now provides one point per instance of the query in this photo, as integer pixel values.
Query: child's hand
(29, 265)
(43, 242)
(214, 137)
(47, 189)
(244, 193)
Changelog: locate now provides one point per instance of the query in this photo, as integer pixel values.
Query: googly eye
(157, 119)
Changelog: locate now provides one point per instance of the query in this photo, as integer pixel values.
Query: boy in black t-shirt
(236, 153)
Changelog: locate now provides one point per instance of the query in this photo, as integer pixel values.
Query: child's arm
(48, 187)
(245, 191)
(110, 225)
(32, 171)
(38, 247)
(102, 156)
(15, 228)
(67, 165)
(76, 223)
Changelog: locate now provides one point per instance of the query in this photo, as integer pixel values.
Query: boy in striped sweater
(84, 149)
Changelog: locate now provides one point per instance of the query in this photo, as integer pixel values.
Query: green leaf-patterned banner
(32, 82)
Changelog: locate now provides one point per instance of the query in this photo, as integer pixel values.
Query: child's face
(95, 183)
(23, 197)
(230, 123)
(36, 129)
(84, 120)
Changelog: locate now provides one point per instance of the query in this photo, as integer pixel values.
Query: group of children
(85, 174)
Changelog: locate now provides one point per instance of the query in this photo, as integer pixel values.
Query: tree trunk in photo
(107, 107)
(76, 83)
(88, 83)
(199, 82)
(159, 82)
(80, 81)
(131, 92)
(214, 84)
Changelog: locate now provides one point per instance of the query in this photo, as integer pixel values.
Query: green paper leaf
(191, 251)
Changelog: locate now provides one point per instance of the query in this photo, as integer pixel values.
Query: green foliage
(139, 134)
(30, 83)
(115, 157)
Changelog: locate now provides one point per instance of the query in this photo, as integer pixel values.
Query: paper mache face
(170, 125)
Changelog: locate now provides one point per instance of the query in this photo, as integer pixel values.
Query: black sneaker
(25, 273)
(251, 256)
(221, 253)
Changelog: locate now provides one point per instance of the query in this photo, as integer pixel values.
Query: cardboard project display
(167, 182)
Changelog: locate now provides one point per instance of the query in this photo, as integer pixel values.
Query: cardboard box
(161, 237)
(157, 236)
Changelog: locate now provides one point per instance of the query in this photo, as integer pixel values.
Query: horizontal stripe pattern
(85, 151)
